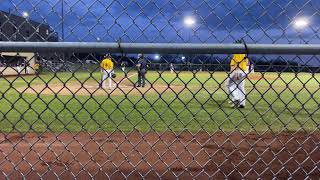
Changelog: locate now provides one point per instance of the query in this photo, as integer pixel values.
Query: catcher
(107, 71)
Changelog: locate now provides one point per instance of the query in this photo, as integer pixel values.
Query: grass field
(285, 101)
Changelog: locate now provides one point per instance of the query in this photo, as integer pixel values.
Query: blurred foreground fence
(206, 21)
(58, 121)
(192, 118)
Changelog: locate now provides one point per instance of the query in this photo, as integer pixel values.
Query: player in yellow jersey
(236, 79)
(107, 71)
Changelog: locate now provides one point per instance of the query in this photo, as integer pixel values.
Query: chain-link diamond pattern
(60, 120)
(258, 21)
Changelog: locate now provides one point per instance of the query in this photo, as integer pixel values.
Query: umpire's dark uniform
(142, 70)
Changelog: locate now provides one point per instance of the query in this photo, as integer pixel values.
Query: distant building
(17, 28)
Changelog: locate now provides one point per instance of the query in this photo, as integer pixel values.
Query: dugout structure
(13, 63)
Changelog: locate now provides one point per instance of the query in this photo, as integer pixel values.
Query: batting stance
(107, 71)
(142, 70)
(236, 80)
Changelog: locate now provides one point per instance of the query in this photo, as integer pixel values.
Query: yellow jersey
(239, 61)
(36, 66)
(107, 64)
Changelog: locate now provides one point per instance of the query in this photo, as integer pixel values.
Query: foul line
(126, 78)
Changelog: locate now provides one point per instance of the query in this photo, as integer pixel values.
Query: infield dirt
(117, 155)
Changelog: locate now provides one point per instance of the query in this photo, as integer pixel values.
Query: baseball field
(180, 125)
(175, 102)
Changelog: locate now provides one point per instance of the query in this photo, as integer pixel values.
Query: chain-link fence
(160, 105)
(207, 21)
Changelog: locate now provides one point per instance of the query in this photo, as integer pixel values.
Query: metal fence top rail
(163, 48)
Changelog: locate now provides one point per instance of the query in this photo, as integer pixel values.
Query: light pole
(62, 19)
(299, 24)
(62, 26)
(189, 22)
(25, 14)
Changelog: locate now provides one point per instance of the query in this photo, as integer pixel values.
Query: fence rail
(163, 48)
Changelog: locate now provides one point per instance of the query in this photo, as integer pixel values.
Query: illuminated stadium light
(157, 57)
(25, 14)
(189, 21)
(301, 23)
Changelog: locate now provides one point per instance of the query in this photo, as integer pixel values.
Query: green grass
(277, 102)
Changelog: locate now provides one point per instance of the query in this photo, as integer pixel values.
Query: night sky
(257, 21)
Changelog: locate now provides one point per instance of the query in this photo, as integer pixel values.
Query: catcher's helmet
(113, 75)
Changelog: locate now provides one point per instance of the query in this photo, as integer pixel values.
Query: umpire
(142, 70)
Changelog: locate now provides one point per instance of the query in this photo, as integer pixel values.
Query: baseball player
(107, 71)
(236, 80)
(19, 67)
(252, 68)
(36, 68)
(248, 68)
(142, 70)
(171, 68)
(27, 67)
(123, 66)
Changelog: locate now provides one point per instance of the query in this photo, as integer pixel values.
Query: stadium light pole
(62, 19)
(62, 26)
(299, 24)
(25, 15)
(189, 22)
